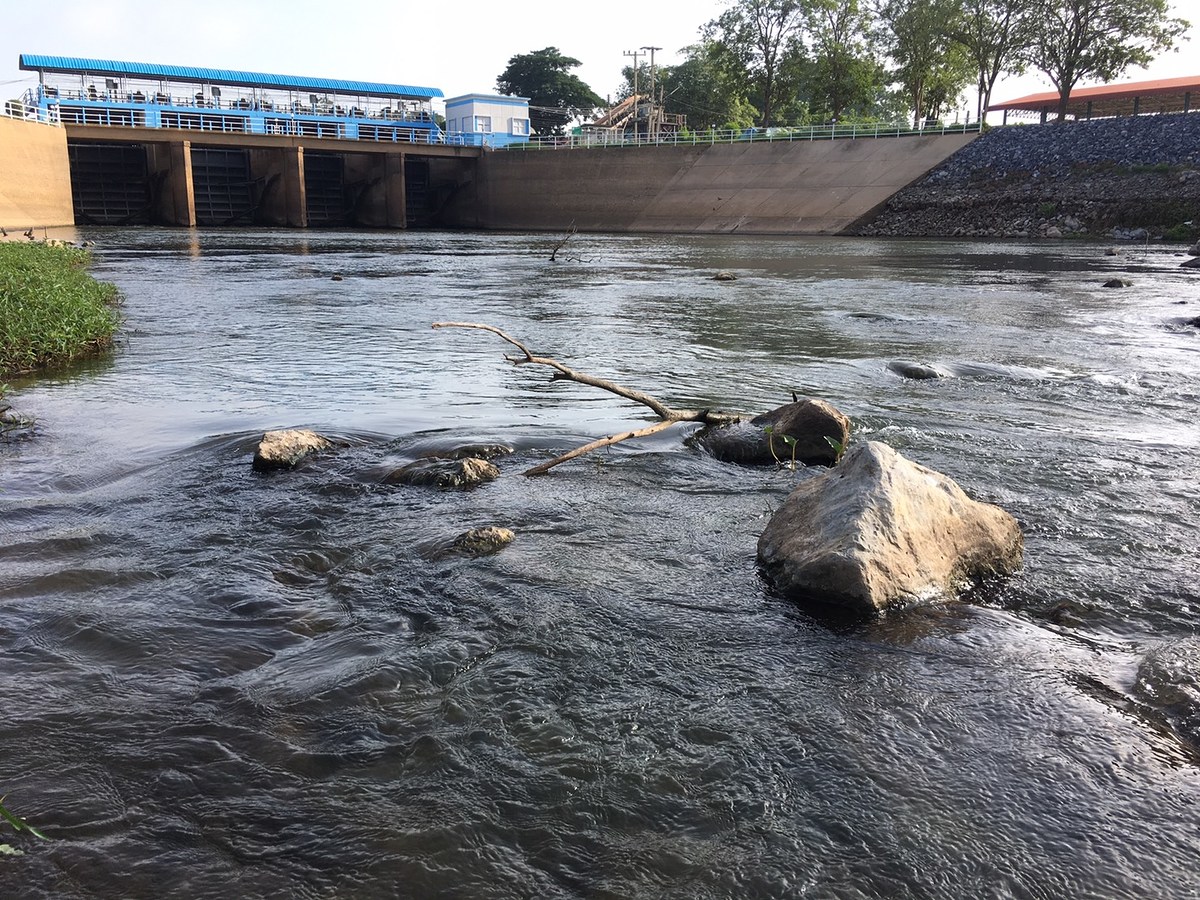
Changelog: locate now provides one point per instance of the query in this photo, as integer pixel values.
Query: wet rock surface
(445, 473)
(807, 422)
(878, 531)
(284, 448)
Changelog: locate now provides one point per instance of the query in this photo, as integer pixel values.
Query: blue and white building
(489, 120)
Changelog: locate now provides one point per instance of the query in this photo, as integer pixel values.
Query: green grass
(51, 310)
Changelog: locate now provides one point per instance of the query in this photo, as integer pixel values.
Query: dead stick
(596, 445)
(664, 412)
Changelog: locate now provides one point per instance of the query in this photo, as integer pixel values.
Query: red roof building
(1163, 95)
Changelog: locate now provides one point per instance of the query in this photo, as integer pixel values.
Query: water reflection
(221, 683)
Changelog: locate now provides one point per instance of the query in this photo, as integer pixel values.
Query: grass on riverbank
(51, 310)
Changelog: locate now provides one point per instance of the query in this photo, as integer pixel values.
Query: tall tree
(761, 34)
(1077, 39)
(708, 89)
(844, 73)
(929, 65)
(994, 34)
(556, 96)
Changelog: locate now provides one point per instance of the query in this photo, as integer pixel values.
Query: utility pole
(653, 101)
(635, 54)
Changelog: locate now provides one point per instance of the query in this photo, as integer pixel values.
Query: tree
(761, 35)
(994, 34)
(556, 96)
(844, 73)
(1077, 39)
(931, 68)
(708, 88)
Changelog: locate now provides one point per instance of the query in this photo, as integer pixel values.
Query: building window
(483, 123)
(519, 126)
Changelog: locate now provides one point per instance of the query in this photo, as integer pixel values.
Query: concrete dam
(53, 175)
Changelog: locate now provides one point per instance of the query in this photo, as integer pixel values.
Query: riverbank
(51, 310)
(1123, 179)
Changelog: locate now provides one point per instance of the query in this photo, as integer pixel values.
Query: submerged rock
(284, 448)
(1118, 283)
(482, 541)
(879, 531)
(724, 276)
(808, 421)
(1169, 679)
(1193, 263)
(916, 371)
(445, 473)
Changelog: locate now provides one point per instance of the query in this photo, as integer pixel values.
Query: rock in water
(916, 371)
(283, 449)
(1118, 283)
(808, 421)
(445, 473)
(482, 541)
(879, 530)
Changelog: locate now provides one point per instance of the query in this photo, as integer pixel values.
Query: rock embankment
(1129, 178)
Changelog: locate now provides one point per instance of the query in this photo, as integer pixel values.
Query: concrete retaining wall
(801, 187)
(35, 177)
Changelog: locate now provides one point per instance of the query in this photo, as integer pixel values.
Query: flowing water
(217, 683)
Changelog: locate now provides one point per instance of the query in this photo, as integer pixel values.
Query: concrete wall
(800, 187)
(35, 177)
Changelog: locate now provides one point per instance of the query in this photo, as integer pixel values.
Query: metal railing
(588, 140)
(16, 109)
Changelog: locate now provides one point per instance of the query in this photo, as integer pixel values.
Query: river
(223, 684)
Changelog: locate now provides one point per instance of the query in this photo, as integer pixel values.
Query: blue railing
(237, 116)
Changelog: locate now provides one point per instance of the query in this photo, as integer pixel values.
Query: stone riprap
(1130, 178)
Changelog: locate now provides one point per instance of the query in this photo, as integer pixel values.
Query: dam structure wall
(753, 187)
(35, 177)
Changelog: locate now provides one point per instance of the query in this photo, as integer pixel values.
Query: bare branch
(596, 445)
(570, 233)
(493, 329)
(664, 412)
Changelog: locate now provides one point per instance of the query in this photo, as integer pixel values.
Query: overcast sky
(459, 46)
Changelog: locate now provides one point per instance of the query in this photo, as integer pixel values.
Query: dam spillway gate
(178, 183)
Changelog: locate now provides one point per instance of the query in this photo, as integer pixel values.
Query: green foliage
(556, 96)
(1047, 209)
(789, 440)
(763, 37)
(994, 34)
(1098, 39)
(844, 79)
(708, 87)
(18, 825)
(932, 68)
(1183, 231)
(51, 310)
(839, 449)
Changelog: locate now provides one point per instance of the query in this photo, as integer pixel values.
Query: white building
(489, 120)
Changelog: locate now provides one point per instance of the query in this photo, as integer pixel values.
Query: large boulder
(809, 422)
(283, 449)
(878, 531)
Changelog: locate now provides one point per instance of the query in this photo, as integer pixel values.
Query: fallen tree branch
(545, 467)
(666, 414)
(570, 233)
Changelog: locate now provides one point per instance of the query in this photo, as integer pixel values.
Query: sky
(459, 46)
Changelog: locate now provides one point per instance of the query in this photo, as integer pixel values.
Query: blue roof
(113, 67)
